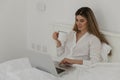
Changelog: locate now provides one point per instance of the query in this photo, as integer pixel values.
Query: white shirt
(87, 48)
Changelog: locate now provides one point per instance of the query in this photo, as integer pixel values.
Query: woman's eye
(76, 19)
(81, 20)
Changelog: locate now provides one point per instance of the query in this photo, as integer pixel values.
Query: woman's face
(81, 23)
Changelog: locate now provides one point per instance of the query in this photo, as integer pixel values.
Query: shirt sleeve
(61, 49)
(95, 51)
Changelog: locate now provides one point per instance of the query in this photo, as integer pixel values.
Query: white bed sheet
(32, 74)
(99, 71)
(106, 71)
(21, 69)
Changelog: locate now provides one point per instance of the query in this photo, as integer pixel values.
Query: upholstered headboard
(114, 40)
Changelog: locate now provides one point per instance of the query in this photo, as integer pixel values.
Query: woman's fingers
(65, 61)
(55, 35)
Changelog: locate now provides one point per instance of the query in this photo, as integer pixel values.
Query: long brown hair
(92, 23)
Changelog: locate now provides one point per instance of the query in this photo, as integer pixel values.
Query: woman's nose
(79, 23)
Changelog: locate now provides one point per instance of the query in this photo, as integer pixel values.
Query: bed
(21, 68)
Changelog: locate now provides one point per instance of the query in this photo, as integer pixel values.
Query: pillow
(15, 64)
(105, 51)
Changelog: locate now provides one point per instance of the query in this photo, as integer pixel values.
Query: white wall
(12, 28)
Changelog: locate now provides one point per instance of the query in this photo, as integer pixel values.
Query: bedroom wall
(12, 29)
(43, 14)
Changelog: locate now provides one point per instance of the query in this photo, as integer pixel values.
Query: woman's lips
(79, 26)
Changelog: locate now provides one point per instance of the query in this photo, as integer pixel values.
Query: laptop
(44, 62)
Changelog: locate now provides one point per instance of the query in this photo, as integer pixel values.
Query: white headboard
(113, 39)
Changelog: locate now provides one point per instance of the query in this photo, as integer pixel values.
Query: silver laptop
(44, 62)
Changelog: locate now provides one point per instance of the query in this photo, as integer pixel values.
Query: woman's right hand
(55, 35)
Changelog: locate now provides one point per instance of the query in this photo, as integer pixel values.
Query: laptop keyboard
(59, 70)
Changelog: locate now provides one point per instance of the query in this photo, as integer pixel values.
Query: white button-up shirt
(87, 48)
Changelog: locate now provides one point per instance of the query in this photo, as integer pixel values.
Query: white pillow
(105, 51)
(15, 64)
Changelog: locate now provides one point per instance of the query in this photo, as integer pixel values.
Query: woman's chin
(78, 30)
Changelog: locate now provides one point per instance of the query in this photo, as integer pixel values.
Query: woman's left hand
(67, 61)
(71, 61)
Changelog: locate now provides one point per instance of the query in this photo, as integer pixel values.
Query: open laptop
(44, 62)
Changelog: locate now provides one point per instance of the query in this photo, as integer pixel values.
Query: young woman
(83, 43)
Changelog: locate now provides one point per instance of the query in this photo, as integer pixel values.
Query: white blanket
(20, 69)
(32, 74)
(101, 71)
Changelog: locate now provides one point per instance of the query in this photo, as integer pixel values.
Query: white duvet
(22, 70)
(32, 74)
(101, 71)
(96, 72)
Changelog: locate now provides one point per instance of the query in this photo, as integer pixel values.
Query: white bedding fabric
(32, 74)
(11, 66)
(96, 72)
(99, 71)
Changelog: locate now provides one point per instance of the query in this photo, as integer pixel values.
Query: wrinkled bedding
(32, 74)
(97, 72)
(21, 69)
(106, 71)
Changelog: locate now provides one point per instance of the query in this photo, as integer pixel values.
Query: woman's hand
(71, 61)
(55, 35)
(66, 61)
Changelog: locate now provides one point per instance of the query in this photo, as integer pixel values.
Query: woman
(83, 44)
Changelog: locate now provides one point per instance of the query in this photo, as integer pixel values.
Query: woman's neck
(82, 32)
(79, 35)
